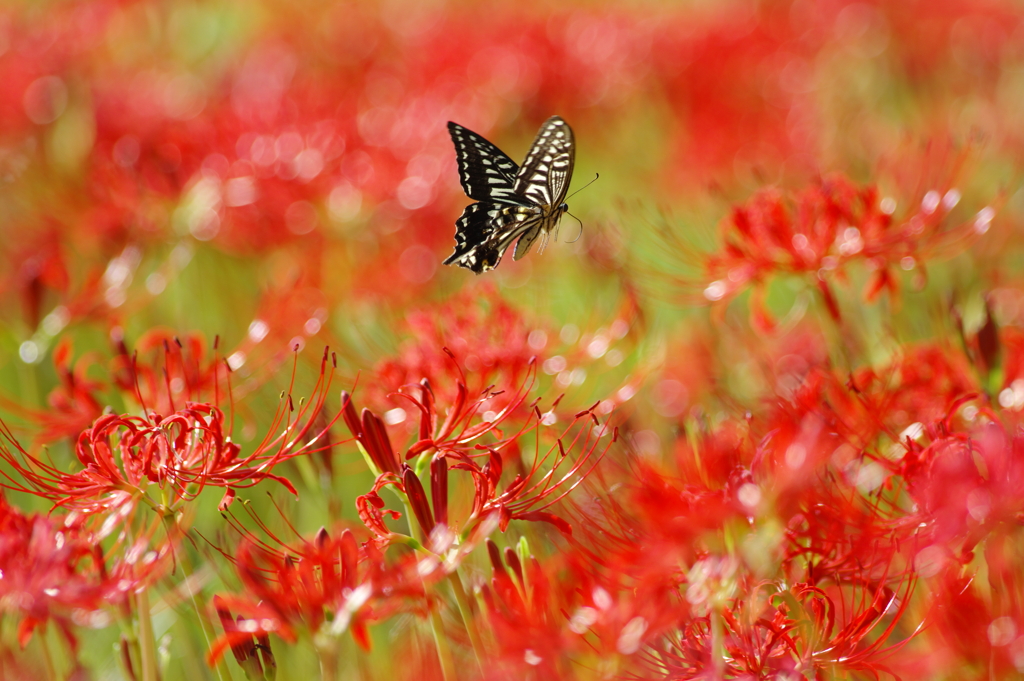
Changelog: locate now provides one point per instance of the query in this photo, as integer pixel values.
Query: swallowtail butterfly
(513, 202)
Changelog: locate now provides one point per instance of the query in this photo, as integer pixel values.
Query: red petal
(25, 629)
(227, 499)
(545, 517)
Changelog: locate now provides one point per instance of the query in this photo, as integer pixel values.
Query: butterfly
(514, 202)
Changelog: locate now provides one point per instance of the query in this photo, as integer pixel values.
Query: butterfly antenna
(596, 177)
(581, 227)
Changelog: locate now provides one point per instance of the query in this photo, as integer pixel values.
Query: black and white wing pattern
(486, 173)
(513, 202)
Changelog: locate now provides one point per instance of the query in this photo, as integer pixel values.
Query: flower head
(328, 585)
(53, 569)
(180, 454)
(477, 445)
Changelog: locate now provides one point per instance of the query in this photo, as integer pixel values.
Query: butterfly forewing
(486, 173)
(515, 202)
(544, 175)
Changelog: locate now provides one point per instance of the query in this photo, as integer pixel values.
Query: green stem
(363, 671)
(130, 654)
(444, 651)
(28, 377)
(717, 644)
(147, 643)
(51, 670)
(327, 651)
(466, 611)
(201, 614)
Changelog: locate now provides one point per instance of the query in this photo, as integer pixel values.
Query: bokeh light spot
(29, 352)
(414, 192)
(300, 217)
(45, 99)
(417, 264)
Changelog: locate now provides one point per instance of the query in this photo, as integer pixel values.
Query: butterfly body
(513, 202)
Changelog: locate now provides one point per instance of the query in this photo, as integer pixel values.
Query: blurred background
(262, 175)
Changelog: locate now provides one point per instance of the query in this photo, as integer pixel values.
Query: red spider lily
(919, 387)
(165, 370)
(654, 524)
(37, 273)
(328, 584)
(547, 615)
(839, 548)
(180, 454)
(180, 372)
(72, 405)
(453, 445)
(545, 483)
(245, 644)
(172, 371)
(977, 621)
(824, 228)
(53, 569)
(49, 573)
(525, 614)
(968, 484)
(772, 633)
(850, 611)
(471, 344)
(661, 518)
(467, 420)
(527, 497)
(841, 541)
(482, 335)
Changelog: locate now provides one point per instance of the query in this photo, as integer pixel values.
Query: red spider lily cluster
(821, 231)
(788, 448)
(179, 453)
(333, 584)
(55, 569)
(456, 445)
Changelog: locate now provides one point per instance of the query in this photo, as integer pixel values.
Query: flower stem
(717, 644)
(147, 644)
(327, 651)
(185, 561)
(444, 652)
(129, 652)
(466, 610)
(51, 670)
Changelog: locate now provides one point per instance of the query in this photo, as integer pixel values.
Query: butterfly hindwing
(485, 172)
(485, 232)
(514, 203)
(525, 241)
(472, 230)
